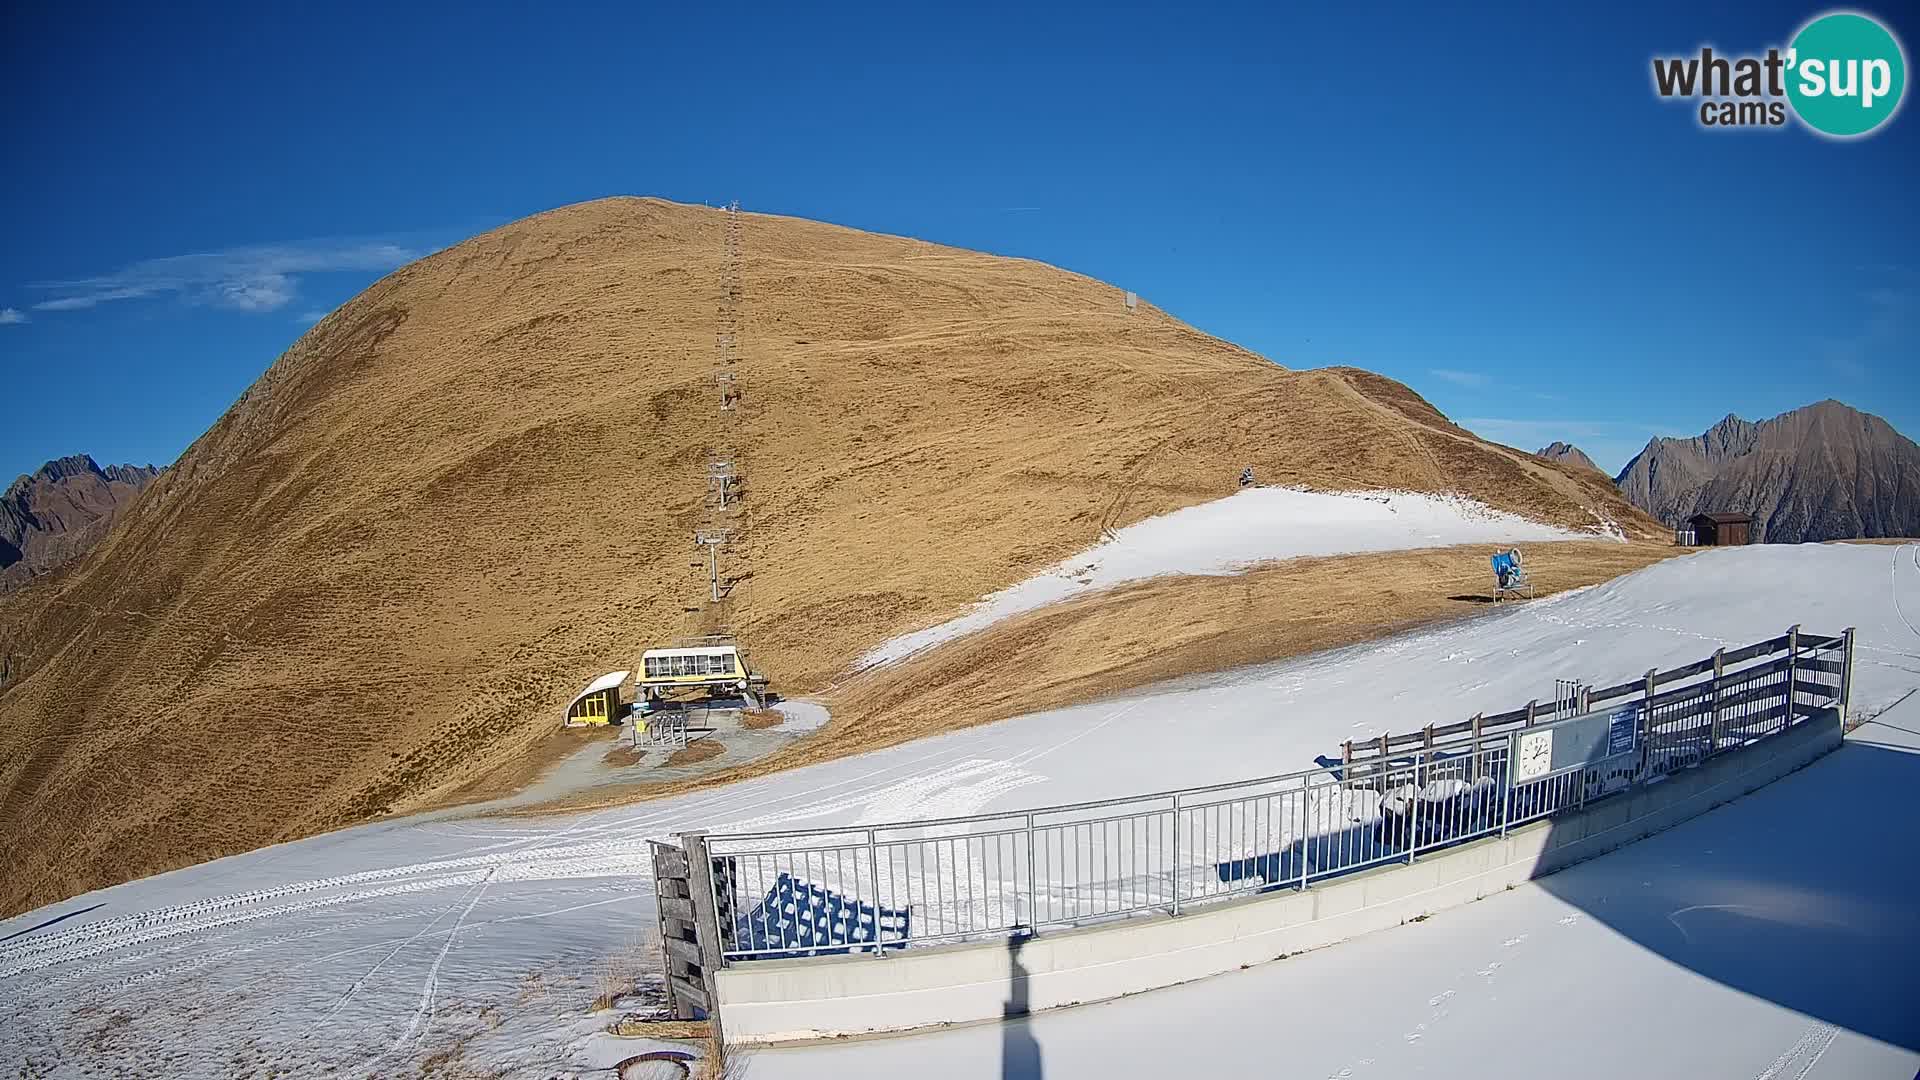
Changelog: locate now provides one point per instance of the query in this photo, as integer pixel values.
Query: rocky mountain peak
(60, 510)
(1566, 453)
(1822, 472)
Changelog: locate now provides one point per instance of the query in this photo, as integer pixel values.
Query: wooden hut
(1722, 530)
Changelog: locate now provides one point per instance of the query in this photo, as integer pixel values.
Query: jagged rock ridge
(1823, 472)
(59, 512)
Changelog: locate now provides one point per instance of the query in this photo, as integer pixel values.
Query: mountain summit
(1567, 454)
(1823, 472)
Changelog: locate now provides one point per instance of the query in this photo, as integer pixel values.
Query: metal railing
(880, 887)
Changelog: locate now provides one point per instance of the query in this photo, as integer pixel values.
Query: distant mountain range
(1823, 472)
(1566, 454)
(59, 512)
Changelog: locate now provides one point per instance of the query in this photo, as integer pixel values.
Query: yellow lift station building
(715, 667)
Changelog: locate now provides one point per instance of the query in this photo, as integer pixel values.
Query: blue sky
(1492, 207)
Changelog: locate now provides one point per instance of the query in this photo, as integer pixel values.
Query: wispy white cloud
(308, 318)
(1461, 378)
(12, 316)
(264, 278)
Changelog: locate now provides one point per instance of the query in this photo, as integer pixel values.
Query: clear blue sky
(1492, 207)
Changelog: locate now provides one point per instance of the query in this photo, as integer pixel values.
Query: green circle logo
(1846, 74)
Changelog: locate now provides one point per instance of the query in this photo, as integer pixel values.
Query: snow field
(1249, 527)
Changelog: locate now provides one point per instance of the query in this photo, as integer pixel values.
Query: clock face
(1535, 755)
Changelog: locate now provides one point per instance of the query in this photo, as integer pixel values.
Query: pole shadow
(52, 921)
(1019, 1050)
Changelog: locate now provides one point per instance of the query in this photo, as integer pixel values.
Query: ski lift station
(714, 667)
(719, 668)
(714, 664)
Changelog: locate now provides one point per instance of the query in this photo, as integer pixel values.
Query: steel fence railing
(867, 888)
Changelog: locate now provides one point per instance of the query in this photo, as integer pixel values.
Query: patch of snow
(1607, 527)
(1233, 534)
(801, 715)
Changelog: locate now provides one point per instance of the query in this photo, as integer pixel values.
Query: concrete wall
(827, 997)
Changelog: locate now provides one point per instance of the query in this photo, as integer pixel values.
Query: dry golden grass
(721, 1060)
(377, 579)
(679, 1030)
(621, 972)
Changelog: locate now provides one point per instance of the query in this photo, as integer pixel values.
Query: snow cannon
(1510, 575)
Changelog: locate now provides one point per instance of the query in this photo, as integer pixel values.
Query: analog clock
(1535, 755)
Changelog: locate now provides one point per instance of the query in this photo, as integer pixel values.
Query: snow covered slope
(1763, 940)
(1227, 535)
(365, 952)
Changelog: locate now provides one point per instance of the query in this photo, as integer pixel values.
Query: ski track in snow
(591, 849)
(1893, 582)
(1807, 1052)
(593, 859)
(357, 944)
(433, 976)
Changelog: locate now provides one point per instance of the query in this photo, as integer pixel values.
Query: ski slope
(477, 941)
(1244, 529)
(1772, 939)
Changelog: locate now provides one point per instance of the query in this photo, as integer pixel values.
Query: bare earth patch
(695, 753)
(623, 754)
(761, 719)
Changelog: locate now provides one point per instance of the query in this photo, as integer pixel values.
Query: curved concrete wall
(831, 997)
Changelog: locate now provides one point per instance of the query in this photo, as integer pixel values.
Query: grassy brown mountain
(473, 487)
(1823, 472)
(56, 513)
(1567, 454)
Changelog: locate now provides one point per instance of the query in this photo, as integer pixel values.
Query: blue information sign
(1622, 724)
